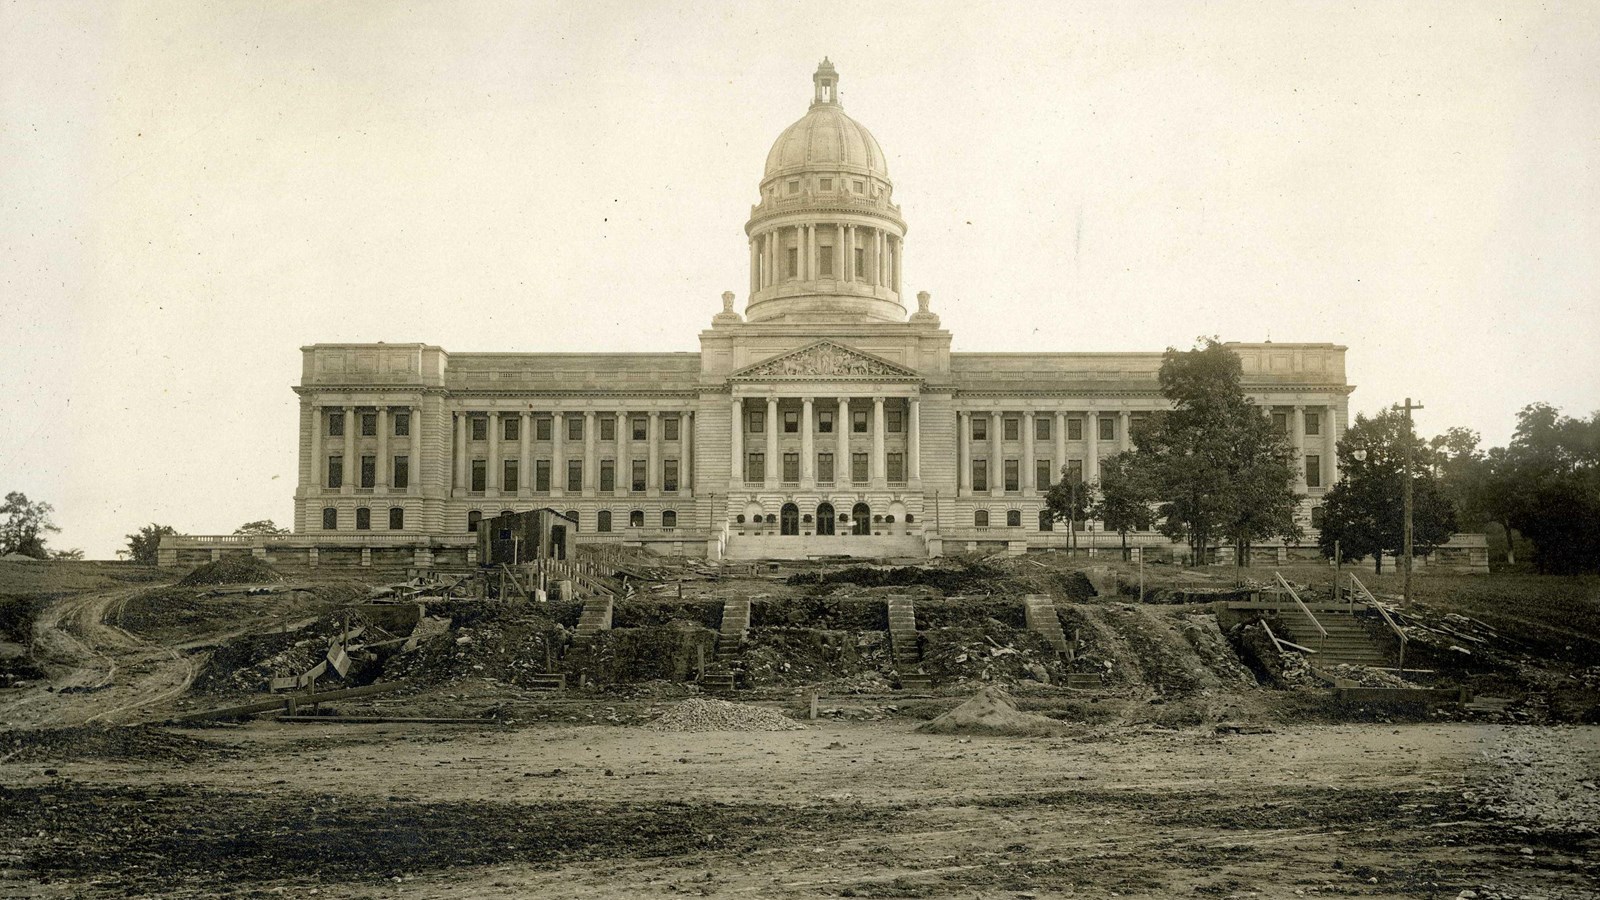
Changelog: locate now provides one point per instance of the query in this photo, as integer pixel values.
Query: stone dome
(825, 138)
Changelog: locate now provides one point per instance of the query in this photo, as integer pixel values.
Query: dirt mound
(506, 647)
(808, 655)
(236, 569)
(699, 714)
(105, 742)
(991, 711)
(989, 651)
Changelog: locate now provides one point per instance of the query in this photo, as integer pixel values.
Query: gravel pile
(698, 714)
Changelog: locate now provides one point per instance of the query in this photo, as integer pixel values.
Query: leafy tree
(142, 544)
(1220, 470)
(25, 526)
(261, 526)
(1125, 499)
(1070, 500)
(1365, 512)
(74, 553)
(1547, 485)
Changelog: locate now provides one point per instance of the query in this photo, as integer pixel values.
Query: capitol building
(828, 416)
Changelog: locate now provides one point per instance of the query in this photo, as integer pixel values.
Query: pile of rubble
(1365, 676)
(105, 742)
(698, 714)
(233, 569)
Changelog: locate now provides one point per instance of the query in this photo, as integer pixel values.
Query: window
(980, 518)
(791, 467)
(336, 424)
(608, 428)
(825, 468)
(402, 424)
(1014, 518)
(1041, 428)
(1013, 429)
(1317, 517)
(636, 519)
(480, 429)
(791, 422)
(757, 421)
(825, 260)
(640, 471)
(602, 521)
(755, 467)
(1043, 473)
(369, 424)
(363, 519)
(1313, 424)
(669, 518)
(402, 472)
(397, 518)
(1280, 422)
(573, 515)
(894, 420)
(541, 475)
(896, 464)
(669, 475)
(1108, 428)
(608, 474)
(473, 518)
(861, 264)
(508, 476)
(480, 474)
(1075, 471)
(641, 428)
(791, 262)
(825, 184)
(669, 427)
(335, 471)
(1313, 471)
(858, 468)
(575, 475)
(980, 428)
(330, 518)
(980, 474)
(574, 428)
(858, 421)
(369, 471)
(1046, 523)
(861, 187)
(542, 427)
(1013, 475)
(794, 185)
(1074, 429)
(511, 427)
(825, 421)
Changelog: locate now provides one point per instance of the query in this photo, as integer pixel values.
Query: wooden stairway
(735, 627)
(1348, 639)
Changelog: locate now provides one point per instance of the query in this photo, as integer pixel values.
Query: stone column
(319, 466)
(755, 267)
(1125, 434)
(558, 454)
(997, 455)
(461, 451)
(652, 468)
(349, 450)
(963, 454)
(879, 465)
(841, 435)
(685, 453)
(812, 272)
(808, 446)
(591, 454)
(1330, 452)
(493, 482)
(380, 468)
(899, 251)
(1091, 434)
(525, 453)
(414, 464)
(622, 467)
(1060, 458)
(1025, 465)
(1297, 434)
(849, 252)
(736, 441)
(772, 443)
(914, 443)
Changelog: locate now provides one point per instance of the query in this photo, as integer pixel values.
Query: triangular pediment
(825, 361)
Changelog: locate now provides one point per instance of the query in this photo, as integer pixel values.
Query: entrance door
(861, 519)
(789, 519)
(824, 518)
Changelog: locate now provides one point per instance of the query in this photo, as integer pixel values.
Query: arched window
(473, 518)
(1317, 517)
(980, 518)
(1046, 521)
(910, 518)
(739, 518)
(573, 515)
(636, 519)
(505, 512)
(363, 519)
(330, 518)
(1014, 518)
(669, 518)
(603, 521)
(397, 518)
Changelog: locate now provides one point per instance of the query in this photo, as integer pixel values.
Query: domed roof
(825, 138)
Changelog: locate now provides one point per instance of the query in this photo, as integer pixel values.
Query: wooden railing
(1357, 589)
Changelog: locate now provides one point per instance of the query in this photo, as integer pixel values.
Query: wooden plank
(283, 701)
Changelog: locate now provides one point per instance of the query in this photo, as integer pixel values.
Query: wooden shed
(520, 537)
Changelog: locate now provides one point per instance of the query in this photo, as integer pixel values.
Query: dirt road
(99, 673)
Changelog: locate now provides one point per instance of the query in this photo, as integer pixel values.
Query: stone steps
(1040, 613)
(904, 646)
(1348, 641)
(735, 628)
(717, 682)
(916, 682)
(547, 681)
(595, 618)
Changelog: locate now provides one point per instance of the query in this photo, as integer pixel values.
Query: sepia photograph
(630, 449)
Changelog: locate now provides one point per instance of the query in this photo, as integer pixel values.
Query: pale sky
(191, 191)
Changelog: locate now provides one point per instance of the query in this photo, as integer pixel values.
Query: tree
(1070, 500)
(261, 526)
(1125, 499)
(1218, 467)
(1364, 513)
(142, 544)
(72, 554)
(1547, 485)
(25, 526)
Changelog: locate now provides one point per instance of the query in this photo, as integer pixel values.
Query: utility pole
(1405, 494)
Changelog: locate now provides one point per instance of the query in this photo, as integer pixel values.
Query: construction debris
(992, 711)
(698, 714)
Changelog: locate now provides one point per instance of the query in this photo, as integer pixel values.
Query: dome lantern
(825, 83)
